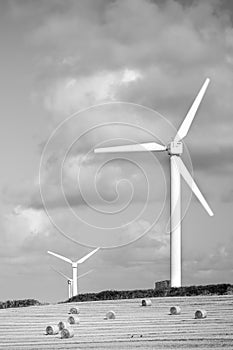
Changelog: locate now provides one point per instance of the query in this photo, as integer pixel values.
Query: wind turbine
(177, 168)
(69, 280)
(74, 267)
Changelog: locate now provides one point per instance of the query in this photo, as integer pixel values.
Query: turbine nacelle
(175, 148)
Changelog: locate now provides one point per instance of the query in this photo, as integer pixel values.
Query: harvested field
(135, 327)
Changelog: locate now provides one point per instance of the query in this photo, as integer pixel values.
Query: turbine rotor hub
(175, 148)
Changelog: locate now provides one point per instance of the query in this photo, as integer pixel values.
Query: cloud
(17, 227)
(149, 53)
(152, 249)
(214, 267)
(71, 94)
(152, 53)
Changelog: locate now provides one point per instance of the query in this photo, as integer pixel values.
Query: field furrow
(135, 327)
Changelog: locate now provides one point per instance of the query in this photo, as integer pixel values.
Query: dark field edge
(19, 303)
(212, 289)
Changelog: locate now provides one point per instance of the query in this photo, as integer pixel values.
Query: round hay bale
(73, 320)
(67, 332)
(62, 325)
(146, 302)
(74, 310)
(175, 310)
(110, 315)
(201, 314)
(52, 329)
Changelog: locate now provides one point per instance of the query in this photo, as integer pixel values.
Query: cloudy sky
(79, 74)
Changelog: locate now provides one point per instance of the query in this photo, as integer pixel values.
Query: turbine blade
(61, 273)
(191, 183)
(60, 257)
(140, 147)
(86, 273)
(184, 128)
(80, 261)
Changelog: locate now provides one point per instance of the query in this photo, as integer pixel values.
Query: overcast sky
(59, 58)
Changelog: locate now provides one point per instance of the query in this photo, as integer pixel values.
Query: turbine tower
(69, 280)
(177, 168)
(74, 267)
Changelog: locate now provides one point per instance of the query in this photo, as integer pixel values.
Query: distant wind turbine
(69, 280)
(174, 149)
(74, 267)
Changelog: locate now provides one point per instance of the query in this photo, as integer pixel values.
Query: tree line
(18, 303)
(212, 289)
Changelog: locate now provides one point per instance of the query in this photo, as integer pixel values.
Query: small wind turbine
(74, 267)
(69, 280)
(174, 149)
